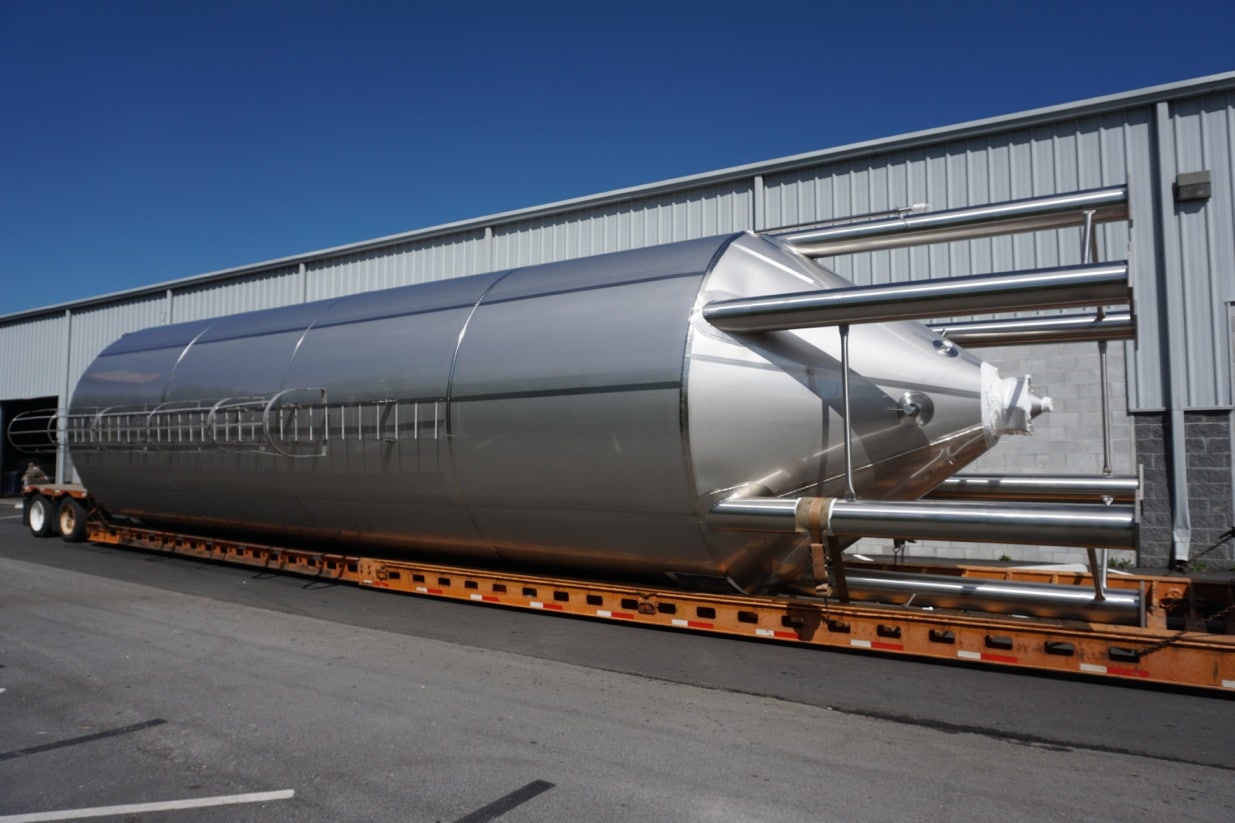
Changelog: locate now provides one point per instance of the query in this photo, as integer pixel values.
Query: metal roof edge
(1094, 105)
(1046, 114)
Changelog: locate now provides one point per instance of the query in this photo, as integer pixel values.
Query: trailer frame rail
(1149, 654)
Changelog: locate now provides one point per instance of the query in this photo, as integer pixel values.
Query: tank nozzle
(1009, 405)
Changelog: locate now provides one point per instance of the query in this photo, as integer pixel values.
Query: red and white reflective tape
(691, 624)
(878, 645)
(986, 657)
(1228, 684)
(776, 633)
(612, 614)
(485, 598)
(1095, 668)
(553, 607)
(426, 590)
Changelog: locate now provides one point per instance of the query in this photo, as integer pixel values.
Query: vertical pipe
(844, 390)
(1097, 570)
(1089, 251)
(1173, 324)
(62, 455)
(758, 205)
(3, 456)
(1230, 430)
(1087, 238)
(1098, 557)
(1106, 409)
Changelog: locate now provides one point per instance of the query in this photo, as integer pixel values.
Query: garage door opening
(14, 457)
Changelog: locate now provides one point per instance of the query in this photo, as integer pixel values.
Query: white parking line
(10, 517)
(140, 808)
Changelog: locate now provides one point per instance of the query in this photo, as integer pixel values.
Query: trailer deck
(1199, 654)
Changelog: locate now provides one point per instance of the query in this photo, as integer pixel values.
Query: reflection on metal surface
(1119, 606)
(1032, 214)
(1075, 524)
(1073, 328)
(917, 407)
(1068, 287)
(1056, 487)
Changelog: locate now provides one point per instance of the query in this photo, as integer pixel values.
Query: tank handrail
(50, 418)
(252, 402)
(268, 429)
(105, 412)
(168, 407)
(96, 424)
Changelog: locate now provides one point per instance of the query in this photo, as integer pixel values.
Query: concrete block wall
(1207, 439)
(1068, 440)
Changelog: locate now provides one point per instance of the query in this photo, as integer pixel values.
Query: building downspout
(64, 468)
(1170, 270)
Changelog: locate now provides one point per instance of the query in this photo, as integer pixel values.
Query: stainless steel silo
(582, 415)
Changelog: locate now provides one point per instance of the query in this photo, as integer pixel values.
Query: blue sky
(147, 141)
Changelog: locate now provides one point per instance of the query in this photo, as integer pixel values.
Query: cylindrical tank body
(580, 414)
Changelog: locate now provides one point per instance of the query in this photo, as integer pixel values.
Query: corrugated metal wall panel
(1062, 157)
(32, 364)
(96, 328)
(256, 291)
(665, 218)
(1145, 364)
(1204, 250)
(435, 259)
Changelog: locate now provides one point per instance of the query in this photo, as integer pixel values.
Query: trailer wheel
(72, 520)
(40, 515)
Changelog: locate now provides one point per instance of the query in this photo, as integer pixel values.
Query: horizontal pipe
(1074, 524)
(1100, 284)
(1033, 214)
(1060, 602)
(756, 514)
(1070, 328)
(1041, 487)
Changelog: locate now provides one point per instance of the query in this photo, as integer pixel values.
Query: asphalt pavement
(150, 687)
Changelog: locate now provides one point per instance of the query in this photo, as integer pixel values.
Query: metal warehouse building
(1172, 404)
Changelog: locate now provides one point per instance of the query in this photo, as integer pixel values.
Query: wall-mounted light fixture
(1192, 185)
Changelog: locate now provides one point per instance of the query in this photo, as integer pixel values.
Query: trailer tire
(72, 520)
(40, 515)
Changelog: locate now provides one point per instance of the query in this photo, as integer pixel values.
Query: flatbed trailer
(1186, 637)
